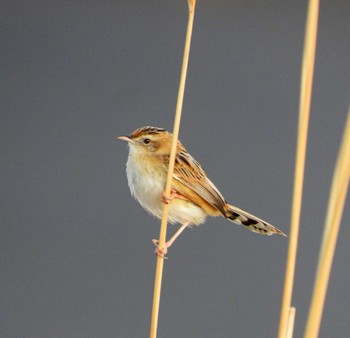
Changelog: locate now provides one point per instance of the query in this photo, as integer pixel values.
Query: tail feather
(250, 221)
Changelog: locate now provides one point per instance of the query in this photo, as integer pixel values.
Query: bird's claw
(158, 251)
(167, 199)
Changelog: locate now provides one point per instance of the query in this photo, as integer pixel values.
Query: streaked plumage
(196, 197)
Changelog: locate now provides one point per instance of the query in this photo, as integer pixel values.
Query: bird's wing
(190, 178)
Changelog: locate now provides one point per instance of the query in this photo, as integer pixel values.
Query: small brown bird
(193, 196)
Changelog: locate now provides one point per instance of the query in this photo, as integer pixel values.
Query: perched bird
(193, 196)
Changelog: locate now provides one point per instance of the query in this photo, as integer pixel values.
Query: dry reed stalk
(163, 228)
(337, 198)
(304, 112)
(290, 324)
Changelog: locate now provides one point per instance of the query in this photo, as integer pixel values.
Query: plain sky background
(75, 249)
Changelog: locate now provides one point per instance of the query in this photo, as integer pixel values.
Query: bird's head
(149, 141)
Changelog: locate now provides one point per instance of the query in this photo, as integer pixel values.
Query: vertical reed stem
(336, 202)
(290, 325)
(304, 112)
(163, 229)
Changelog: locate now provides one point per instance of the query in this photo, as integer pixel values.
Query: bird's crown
(147, 130)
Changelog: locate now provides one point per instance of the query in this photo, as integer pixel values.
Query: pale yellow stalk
(163, 228)
(337, 198)
(304, 112)
(290, 324)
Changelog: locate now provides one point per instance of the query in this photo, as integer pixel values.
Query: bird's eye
(146, 141)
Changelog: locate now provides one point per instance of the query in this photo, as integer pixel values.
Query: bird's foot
(173, 194)
(161, 252)
(167, 199)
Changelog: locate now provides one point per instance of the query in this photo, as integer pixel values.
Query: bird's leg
(163, 251)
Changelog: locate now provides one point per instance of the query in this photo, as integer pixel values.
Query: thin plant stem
(304, 113)
(336, 203)
(290, 326)
(163, 228)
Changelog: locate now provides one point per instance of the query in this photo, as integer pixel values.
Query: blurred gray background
(76, 253)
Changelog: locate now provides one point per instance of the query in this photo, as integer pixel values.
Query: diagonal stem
(304, 112)
(163, 228)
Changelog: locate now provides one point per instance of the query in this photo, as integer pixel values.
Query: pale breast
(147, 185)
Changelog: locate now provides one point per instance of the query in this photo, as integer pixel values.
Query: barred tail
(251, 222)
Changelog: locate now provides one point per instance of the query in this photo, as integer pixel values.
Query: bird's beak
(125, 138)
